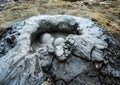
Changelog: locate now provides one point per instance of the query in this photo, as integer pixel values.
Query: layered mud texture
(58, 50)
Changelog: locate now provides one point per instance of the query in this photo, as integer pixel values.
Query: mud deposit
(58, 50)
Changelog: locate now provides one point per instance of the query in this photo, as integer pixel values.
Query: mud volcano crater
(58, 50)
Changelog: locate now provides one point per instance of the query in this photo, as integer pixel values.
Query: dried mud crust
(87, 55)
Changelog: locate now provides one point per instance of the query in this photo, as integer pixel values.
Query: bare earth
(106, 14)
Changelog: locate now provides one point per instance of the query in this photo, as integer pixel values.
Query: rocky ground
(106, 13)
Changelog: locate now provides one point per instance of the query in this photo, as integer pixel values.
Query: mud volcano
(59, 50)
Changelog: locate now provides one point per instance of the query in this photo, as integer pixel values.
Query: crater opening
(50, 34)
(49, 39)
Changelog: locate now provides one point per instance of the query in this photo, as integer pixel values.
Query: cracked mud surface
(65, 49)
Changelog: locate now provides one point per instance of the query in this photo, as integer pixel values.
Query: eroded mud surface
(65, 50)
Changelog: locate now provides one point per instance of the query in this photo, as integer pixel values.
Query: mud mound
(60, 49)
